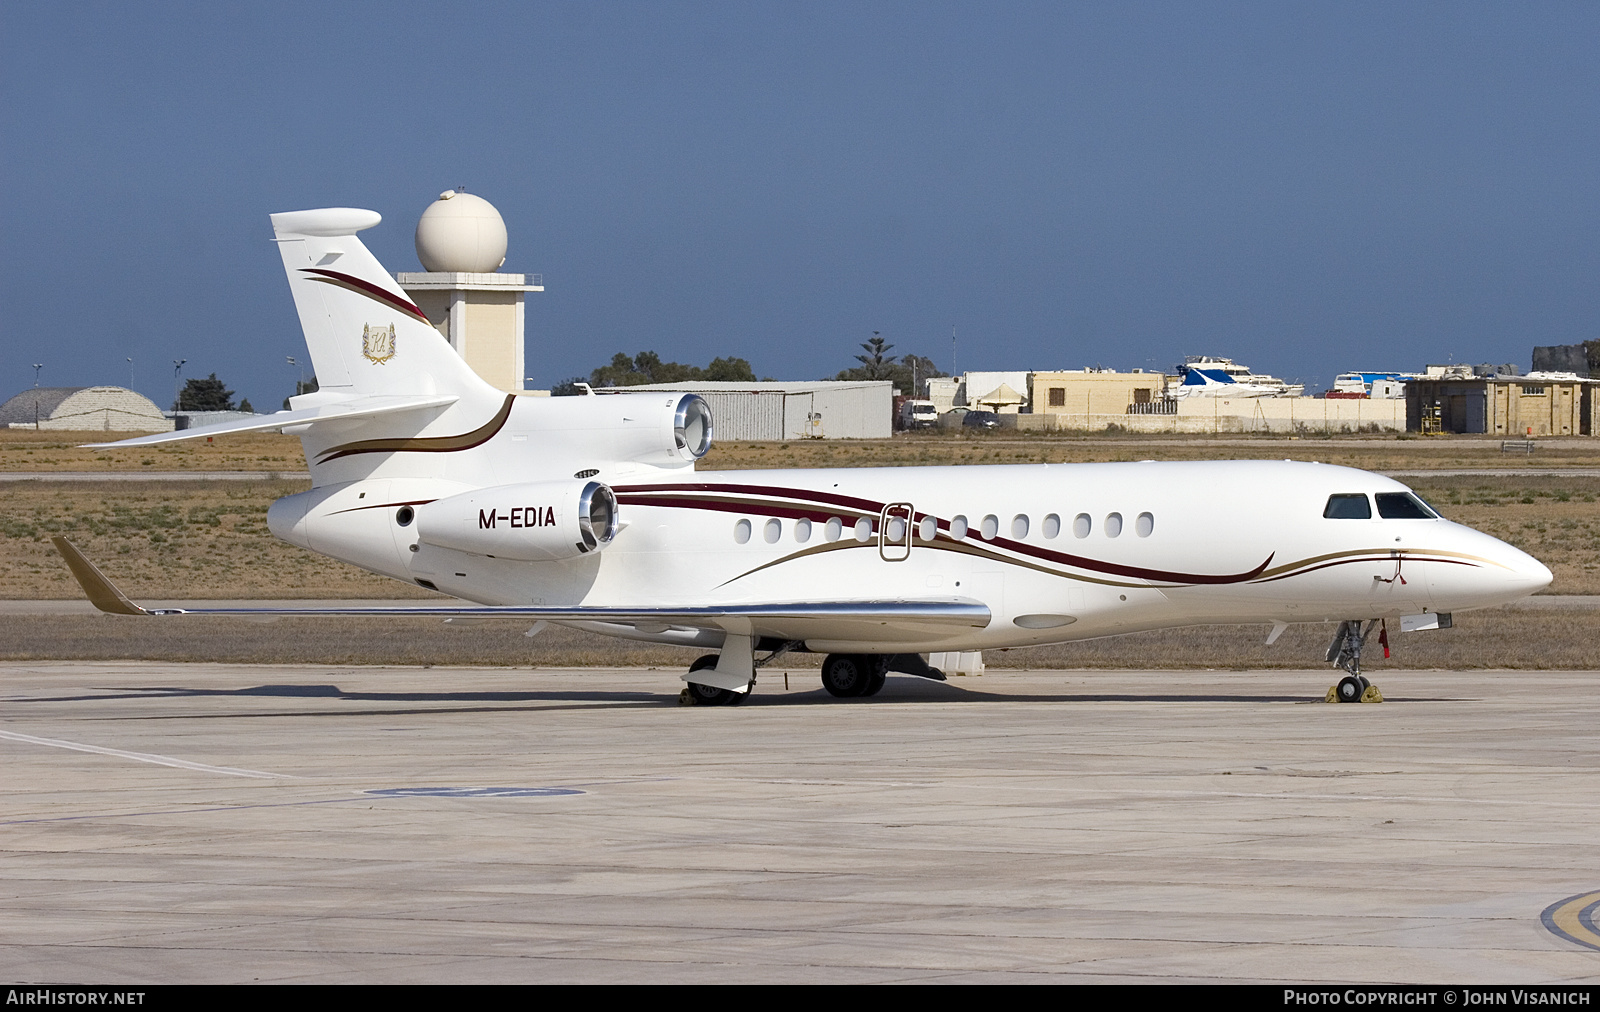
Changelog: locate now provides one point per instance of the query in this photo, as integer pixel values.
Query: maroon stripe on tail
(370, 290)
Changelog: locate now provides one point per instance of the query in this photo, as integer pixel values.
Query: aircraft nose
(1502, 574)
(1529, 575)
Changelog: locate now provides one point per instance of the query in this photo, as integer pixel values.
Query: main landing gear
(843, 675)
(1345, 653)
(847, 675)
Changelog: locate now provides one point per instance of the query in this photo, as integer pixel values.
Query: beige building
(481, 315)
(1539, 404)
(1089, 392)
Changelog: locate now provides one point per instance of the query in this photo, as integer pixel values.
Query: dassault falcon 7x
(589, 511)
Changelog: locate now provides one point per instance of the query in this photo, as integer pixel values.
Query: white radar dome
(461, 233)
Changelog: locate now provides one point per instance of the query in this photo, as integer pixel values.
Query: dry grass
(189, 539)
(1561, 640)
(30, 450)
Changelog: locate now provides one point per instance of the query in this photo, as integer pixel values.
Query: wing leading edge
(904, 621)
(349, 409)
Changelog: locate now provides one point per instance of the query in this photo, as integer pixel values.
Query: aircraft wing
(878, 621)
(369, 406)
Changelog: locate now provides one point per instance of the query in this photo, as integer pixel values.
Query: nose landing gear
(730, 687)
(700, 694)
(1345, 652)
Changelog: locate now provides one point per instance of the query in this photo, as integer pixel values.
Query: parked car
(981, 420)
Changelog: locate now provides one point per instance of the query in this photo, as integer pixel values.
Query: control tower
(461, 242)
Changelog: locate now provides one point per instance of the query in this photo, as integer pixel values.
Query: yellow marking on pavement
(1573, 919)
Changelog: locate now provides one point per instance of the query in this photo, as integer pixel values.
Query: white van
(918, 415)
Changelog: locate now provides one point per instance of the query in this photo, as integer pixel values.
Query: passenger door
(894, 532)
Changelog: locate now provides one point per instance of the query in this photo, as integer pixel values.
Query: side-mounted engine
(533, 522)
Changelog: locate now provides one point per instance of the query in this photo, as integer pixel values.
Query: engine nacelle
(534, 522)
(662, 428)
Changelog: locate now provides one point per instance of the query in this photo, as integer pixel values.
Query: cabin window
(1051, 526)
(802, 531)
(958, 527)
(864, 530)
(896, 530)
(1403, 506)
(991, 527)
(773, 531)
(1348, 506)
(741, 532)
(1082, 525)
(1113, 525)
(1019, 526)
(1145, 525)
(928, 529)
(833, 529)
(1058, 397)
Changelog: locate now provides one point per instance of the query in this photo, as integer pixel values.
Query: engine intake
(534, 522)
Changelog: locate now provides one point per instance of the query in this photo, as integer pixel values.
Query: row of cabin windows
(1391, 506)
(928, 528)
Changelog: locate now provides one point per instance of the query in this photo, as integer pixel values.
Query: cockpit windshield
(1403, 506)
(1348, 506)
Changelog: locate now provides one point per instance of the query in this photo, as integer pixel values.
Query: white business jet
(588, 511)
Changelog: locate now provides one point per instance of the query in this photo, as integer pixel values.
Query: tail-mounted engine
(535, 522)
(667, 429)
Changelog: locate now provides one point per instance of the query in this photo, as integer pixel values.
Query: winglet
(102, 593)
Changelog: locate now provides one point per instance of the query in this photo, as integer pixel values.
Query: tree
(209, 394)
(909, 374)
(301, 387)
(730, 370)
(647, 367)
(244, 405)
(874, 364)
(921, 369)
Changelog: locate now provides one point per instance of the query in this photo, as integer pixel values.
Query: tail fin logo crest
(377, 342)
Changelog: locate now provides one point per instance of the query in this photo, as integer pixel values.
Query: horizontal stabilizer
(349, 409)
(888, 620)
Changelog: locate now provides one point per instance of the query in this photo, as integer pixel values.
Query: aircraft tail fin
(364, 333)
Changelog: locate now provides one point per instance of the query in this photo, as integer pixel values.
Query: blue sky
(1309, 188)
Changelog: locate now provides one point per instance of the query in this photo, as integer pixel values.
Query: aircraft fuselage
(1055, 551)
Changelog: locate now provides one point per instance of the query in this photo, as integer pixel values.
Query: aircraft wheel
(846, 675)
(710, 695)
(879, 675)
(1350, 688)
